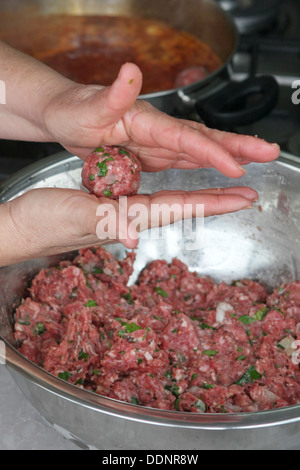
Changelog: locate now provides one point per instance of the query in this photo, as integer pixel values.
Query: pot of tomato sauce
(184, 50)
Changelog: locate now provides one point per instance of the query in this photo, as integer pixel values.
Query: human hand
(50, 221)
(44, 106)
(83, 117)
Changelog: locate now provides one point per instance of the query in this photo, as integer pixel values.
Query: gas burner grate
(252, 15)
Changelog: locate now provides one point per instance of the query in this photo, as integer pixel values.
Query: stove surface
(273, 49)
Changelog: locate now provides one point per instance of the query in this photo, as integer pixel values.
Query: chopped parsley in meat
(249, 376)
(112, 172)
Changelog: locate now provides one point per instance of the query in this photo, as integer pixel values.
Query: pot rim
(21, 365)
(233, 34)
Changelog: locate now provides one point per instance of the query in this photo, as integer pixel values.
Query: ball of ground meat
(190, 75)
(112, 172)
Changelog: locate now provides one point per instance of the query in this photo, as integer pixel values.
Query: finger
(167, 207)
(114, 218)
(186, 142)
(214, 201)
(182, 164)
(243, 191)
(245, 148)
(110, 105)
(112, 224)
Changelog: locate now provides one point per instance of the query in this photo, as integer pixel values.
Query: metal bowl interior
(261, 244)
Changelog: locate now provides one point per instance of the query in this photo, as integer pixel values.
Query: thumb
(117, 99)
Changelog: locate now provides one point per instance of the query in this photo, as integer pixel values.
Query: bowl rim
(16, 362)
(23, 177)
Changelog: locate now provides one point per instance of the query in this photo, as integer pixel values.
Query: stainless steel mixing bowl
(263, 243)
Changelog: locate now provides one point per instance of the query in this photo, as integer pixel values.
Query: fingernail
(242, 169)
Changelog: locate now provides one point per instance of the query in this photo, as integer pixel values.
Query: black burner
(271, 50)
(15, 155)
(252, 15)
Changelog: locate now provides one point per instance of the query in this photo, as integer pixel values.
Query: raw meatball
(111, 172)
(190, 75)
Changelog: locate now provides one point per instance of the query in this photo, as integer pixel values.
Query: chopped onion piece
(287, 344)
(201, 406)
(270, 396)
(107, 271)
(239, 284)
(233, 408)
(222, 308)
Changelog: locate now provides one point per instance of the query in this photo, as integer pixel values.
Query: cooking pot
(262, 244)
(219, 101)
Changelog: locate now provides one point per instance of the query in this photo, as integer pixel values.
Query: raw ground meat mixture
(174, 340)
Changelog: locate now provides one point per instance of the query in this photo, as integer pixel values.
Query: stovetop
(269, 45)
(275, 50)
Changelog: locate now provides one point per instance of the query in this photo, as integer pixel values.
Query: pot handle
(227, 108)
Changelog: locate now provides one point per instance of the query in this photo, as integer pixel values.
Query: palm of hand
(93, 116)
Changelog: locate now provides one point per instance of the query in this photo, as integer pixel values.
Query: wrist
(12, 243)
(64, 102)
(49, 98)
(29, 87)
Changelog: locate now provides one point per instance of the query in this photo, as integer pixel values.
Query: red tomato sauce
(91, 49)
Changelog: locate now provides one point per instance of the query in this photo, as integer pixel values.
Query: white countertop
(21, 426)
